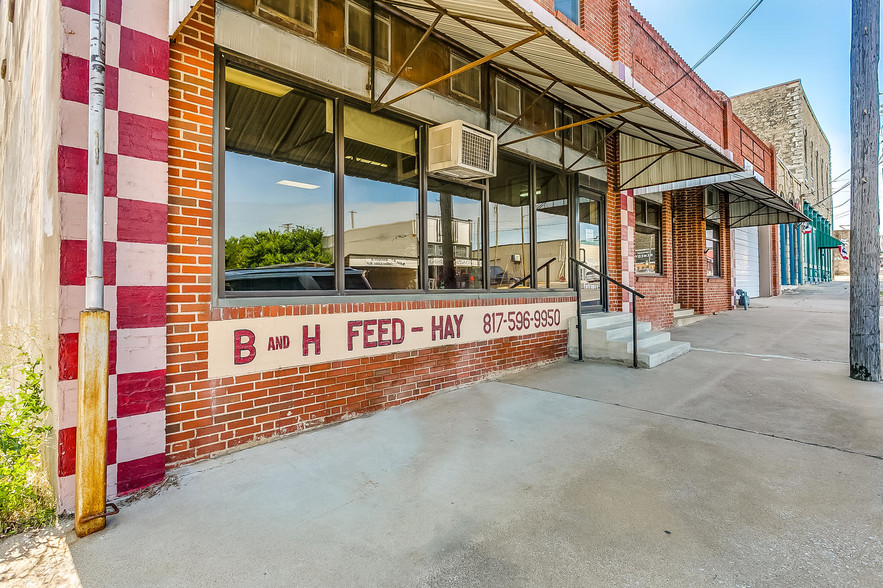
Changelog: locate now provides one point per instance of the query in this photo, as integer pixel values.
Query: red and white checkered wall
(135, 229)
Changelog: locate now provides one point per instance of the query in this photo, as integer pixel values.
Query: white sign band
(245, 346)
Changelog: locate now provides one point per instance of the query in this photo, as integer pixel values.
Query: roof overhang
(751, 203)
(529, 43)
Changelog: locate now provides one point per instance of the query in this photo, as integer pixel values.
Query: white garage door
(745, 254)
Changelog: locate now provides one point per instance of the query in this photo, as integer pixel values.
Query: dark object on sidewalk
(744, 299)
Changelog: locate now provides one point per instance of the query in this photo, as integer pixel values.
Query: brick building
(288, 240)
(783, 116)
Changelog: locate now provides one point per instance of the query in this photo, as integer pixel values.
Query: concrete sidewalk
(751, 461)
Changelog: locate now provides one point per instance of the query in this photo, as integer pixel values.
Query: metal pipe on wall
(94, 336)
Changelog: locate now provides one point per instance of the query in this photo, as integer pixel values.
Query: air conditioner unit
(460, 150)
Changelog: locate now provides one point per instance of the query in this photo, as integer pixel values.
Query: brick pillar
(614, 224)
(191, 86)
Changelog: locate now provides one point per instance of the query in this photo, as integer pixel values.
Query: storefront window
(509, 215)
(454, 236)
(552, 222)
(712, 250)
(380, 200)
(278, 187)
(648, 237)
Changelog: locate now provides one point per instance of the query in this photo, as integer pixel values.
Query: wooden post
(864, 255)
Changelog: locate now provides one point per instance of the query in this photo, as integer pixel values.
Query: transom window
(648, 237)
(358, 31)
(562, 118)
(301, 11)
(508, 98)
(468, 83)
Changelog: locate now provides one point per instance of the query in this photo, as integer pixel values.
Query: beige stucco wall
(29, 212)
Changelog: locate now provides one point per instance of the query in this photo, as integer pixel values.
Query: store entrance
(591, 247)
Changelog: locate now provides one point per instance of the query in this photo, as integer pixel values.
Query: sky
(783, 40)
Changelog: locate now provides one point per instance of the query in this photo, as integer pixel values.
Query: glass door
(591, 247)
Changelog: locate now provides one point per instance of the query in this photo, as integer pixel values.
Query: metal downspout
(94, 335)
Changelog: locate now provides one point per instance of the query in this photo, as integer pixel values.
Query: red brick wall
(656, 307)
(656, 65)
(692, 288)
(207, 416)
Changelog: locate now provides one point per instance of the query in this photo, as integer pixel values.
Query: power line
(717, 45)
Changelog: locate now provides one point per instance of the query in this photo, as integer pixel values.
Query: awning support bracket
(376, 104)
(640, 157)
(603, 139)
(572, 125)
(526, 110)
(460, 70)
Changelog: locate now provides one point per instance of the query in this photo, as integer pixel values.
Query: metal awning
(751, 203)
(826, 241)
(527, 42)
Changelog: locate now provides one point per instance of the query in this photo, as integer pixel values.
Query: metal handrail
(579, 317)
(527, 277)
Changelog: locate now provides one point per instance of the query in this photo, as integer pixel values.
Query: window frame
(477, 70)
(560, 120)
(716, 247)
(577, 4)
(378, 18)
(310, 27)
(224, 298)
(645, 224)
(501, 80)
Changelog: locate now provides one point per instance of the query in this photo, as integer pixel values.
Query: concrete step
(689, 320)
(603, 334)
(645, 341)
(653, 356)
(607, 337)
(602, 319)
(683, 312)
(676, 306)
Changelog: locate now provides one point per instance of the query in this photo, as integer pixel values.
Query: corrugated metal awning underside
(751, 203)
(655, 147)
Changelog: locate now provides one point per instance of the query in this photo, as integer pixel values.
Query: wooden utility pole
(864, 254)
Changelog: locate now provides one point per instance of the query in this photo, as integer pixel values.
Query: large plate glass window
(648, 237)
(712, 249)
(358, 31)
(712, 232)
(468, 83)
(380, 201)
(552, 208)
(454, 237)
(509, 258)
(508, 98)
(301, 11)
(278, 186)
(590, 247)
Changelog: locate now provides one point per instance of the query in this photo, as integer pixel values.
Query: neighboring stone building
(782, 116)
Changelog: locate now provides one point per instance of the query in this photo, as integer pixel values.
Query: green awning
(826, 241)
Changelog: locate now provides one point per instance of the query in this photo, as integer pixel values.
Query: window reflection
(380, 200)
(509, 225)
(453, 238)
(278, 187)
(552, 222)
